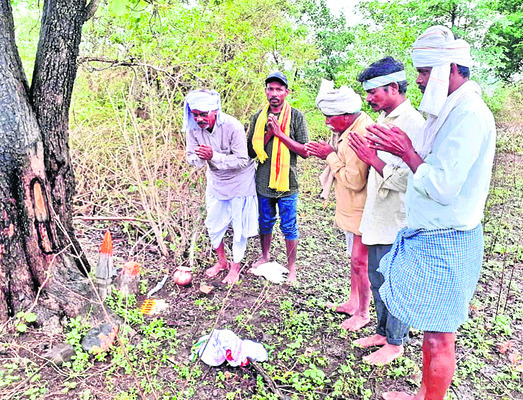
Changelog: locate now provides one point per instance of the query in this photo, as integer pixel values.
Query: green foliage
(24, 318)
(505, 38)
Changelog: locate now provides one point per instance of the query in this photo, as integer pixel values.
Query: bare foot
(375, 340)
(291, 278)
(216, 269)
(385, 355)
(257, 263)
(397, 396)
(356, 322)
(350, 307)
(233, 275)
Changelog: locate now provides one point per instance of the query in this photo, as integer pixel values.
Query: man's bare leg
(220, 265)
(265, 242)
(439, 362)
(233, 275)
(353, 303)
(359, 268)
(291, 245)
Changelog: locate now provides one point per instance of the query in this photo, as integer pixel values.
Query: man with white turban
(384, 214)
(218, 141)
(433, 267)
(342, 110)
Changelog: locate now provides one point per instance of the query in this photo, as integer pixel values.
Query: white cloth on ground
(224, 344)
(240, 212)
(272, 271)
(340, 101)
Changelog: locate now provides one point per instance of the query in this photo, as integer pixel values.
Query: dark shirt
(299, 133)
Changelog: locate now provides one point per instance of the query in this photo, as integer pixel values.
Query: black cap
(277, 76)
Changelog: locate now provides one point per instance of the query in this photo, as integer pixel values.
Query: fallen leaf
(503, 347)
(206, 289)
(514, 357)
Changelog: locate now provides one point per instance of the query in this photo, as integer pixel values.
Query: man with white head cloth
(218, 141)
(342, 110)
(433, 267)
(384, 214)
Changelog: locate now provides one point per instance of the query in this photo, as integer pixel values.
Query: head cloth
(437, 48)
(337, 101)
(201, 100)
(383, 80)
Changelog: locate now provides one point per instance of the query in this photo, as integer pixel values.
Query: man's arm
(238, 156)
(293, 145)
(442, 178)
(348, 169)
(396, 142)
(394, 178)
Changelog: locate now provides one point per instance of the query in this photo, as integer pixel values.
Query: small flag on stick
(104, 269)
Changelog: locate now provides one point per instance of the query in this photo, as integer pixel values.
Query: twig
(107, 218)
(272, 385)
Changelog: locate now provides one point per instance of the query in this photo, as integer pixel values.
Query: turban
(337, 101)
(437, 48)
(383, 80)
(201, 100)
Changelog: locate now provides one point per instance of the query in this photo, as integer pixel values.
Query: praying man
(342, 110)
(432, 269)
(384, 214)
(218, 141)
(276, 137)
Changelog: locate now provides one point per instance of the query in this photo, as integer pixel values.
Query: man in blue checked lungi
(433, 267)
(218, 141)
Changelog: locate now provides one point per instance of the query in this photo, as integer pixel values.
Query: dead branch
(272, 385)
(107, 218)
(90, 9)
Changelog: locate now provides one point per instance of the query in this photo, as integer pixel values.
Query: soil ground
(310, 356)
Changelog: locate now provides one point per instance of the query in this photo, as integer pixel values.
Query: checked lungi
(431, 275)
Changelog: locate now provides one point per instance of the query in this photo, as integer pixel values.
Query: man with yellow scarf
(277, 135)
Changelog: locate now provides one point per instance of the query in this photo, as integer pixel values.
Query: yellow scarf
(281, 156)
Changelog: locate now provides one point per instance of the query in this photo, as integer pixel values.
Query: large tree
(41, 263)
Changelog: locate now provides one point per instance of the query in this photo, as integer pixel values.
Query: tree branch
(90, 9)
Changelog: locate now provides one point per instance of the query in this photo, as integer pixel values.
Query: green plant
(24, 318)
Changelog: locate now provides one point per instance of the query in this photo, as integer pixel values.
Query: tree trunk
(37, 269)
(51, 90)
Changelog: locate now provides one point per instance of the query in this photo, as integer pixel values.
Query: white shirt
(450, 188)
(230, 172)
(384, 214)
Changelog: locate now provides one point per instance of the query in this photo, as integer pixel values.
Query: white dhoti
(241, 213)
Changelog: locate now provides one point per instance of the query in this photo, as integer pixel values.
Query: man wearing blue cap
(217, 140)
(277, 135)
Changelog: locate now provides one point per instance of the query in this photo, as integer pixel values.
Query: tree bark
(37, 270)
(51, 90)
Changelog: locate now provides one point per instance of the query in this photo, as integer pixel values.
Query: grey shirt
(230, 172)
